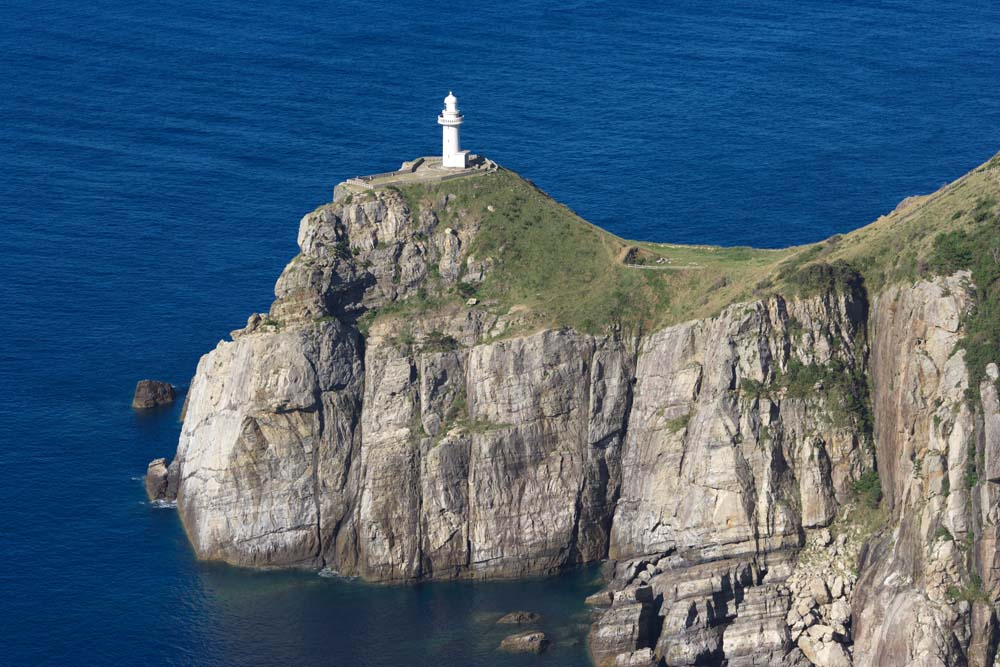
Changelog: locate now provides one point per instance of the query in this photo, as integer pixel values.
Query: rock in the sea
(519, 618)
(156, 479)
(161, 481)
(525, 642)
(152, 394)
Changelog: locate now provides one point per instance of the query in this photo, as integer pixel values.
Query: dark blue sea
(155, 159)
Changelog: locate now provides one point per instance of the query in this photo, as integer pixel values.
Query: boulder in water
(161, 481)
(152, 394)
(525, 642)
(519, 618)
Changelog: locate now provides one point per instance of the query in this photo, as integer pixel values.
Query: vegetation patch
(866, 513)
(976, 248)
(822, 278)
(846, 390)
(867, 489)
(343, 249)
(466, 290)
(846, 387)
(972, 591)
(458, 416)
(794, 328)
(565, 272)
(436, 341)
(943, 533)
(561, 271)
(678, 423)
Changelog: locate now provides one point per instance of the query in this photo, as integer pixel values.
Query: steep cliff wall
(377, 424)
(917, 585)
(434, 456)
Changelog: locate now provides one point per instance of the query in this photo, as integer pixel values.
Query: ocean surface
(155, 159)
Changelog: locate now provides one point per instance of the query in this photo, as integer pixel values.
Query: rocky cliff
(381, 422)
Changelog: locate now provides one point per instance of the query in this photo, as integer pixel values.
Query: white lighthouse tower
(451, 153)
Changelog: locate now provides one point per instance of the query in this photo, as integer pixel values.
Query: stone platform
(420, 170)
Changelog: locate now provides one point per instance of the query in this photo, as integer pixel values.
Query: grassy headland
(566, 272)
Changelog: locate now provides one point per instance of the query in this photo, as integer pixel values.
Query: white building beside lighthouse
(452, 154)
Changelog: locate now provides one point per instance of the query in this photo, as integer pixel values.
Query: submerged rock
(525, 642)
(152, 394)
(161, 483)
(519, 618)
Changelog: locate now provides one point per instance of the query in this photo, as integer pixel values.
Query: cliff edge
(789, 454)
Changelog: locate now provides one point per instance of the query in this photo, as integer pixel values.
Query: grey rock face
(152, 394)
(301, 447)
(722, 470)
(903, 611)
(644, 657)
(629, 625)
(991, 424)
(717, 458)
(268, 431)
(916, 602)
(491, 461)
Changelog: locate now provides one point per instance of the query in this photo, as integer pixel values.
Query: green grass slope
(566, 272)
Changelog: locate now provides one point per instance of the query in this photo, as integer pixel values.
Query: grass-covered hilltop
(561, 271)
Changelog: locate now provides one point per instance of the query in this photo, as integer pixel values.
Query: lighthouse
(451, 153)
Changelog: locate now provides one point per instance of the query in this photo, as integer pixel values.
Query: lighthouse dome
(451, 99)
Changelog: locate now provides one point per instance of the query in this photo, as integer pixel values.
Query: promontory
(790, 456)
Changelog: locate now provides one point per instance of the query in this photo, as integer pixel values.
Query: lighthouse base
(422, 170)
(459, 160)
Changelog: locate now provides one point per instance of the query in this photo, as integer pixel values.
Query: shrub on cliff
(976, 248)
(820, 278)
(868, 489)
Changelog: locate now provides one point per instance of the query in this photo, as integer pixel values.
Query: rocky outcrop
(531, 641)
(507, 458)
(398, 459)
(644, 657)
(152, 394)
(266, 442)
(519, 618)
(716, 462)
(926, 579)
(160, 481)
(916, 593)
